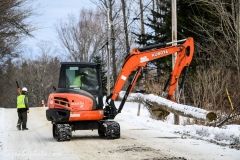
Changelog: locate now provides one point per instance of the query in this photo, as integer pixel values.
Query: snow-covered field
(141, 138)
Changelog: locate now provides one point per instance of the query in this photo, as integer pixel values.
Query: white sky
(51, 11)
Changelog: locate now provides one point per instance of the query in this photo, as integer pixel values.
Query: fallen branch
(230, 116)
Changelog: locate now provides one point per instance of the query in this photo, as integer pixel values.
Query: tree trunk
(142, 20)
(156, 102)
(125, 27)
(238, 37)
(112, 42)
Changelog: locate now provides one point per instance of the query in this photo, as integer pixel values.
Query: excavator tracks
(109, 130)
(62, 132)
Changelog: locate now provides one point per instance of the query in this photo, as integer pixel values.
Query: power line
(139, 14)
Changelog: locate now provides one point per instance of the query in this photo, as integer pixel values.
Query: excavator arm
(139, 59)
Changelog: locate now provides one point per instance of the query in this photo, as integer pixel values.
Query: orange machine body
(81, 107)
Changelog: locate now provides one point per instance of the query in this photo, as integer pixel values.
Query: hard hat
(24, 89)
(86, 71)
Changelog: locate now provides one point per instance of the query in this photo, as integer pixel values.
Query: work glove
(28, 111)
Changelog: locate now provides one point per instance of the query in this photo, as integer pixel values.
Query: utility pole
(174, 56)
(109, 48)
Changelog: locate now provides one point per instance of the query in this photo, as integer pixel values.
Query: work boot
(18, 127)
(25, 129)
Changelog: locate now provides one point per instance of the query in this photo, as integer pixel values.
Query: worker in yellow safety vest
(22, 109)
(81, 80)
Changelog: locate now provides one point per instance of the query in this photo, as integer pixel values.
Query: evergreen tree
(8, 74)
(160, 30)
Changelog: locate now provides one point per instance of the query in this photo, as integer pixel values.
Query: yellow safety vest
(20, 101)
(77, 81)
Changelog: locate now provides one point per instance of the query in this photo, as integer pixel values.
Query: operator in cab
(82, 80)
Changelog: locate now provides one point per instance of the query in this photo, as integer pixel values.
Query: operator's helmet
(24, 89)
(86, 71)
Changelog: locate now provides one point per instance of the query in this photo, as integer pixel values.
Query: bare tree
(82, 37)
(111, 11)
(14, 26)
(39, 74)
(208, 89)
(142, 19)
(222, 61)
(220, 36)
(125, 26)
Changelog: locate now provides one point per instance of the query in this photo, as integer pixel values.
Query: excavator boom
(139, 59)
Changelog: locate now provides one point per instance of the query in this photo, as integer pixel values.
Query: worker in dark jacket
(22, 109)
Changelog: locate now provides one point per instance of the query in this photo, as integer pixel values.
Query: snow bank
(229, 134)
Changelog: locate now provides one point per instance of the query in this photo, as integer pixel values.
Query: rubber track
(63, 132)
(112, 130)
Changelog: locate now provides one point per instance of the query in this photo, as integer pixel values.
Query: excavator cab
(80, 77)
(77, 103)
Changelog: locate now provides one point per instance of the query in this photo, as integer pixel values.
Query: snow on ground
(226, 135)
(141, 138)
(229, 134)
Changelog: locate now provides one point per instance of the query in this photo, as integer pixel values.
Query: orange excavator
(77, 103)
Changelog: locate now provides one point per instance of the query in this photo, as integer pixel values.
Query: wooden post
(139, 106)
